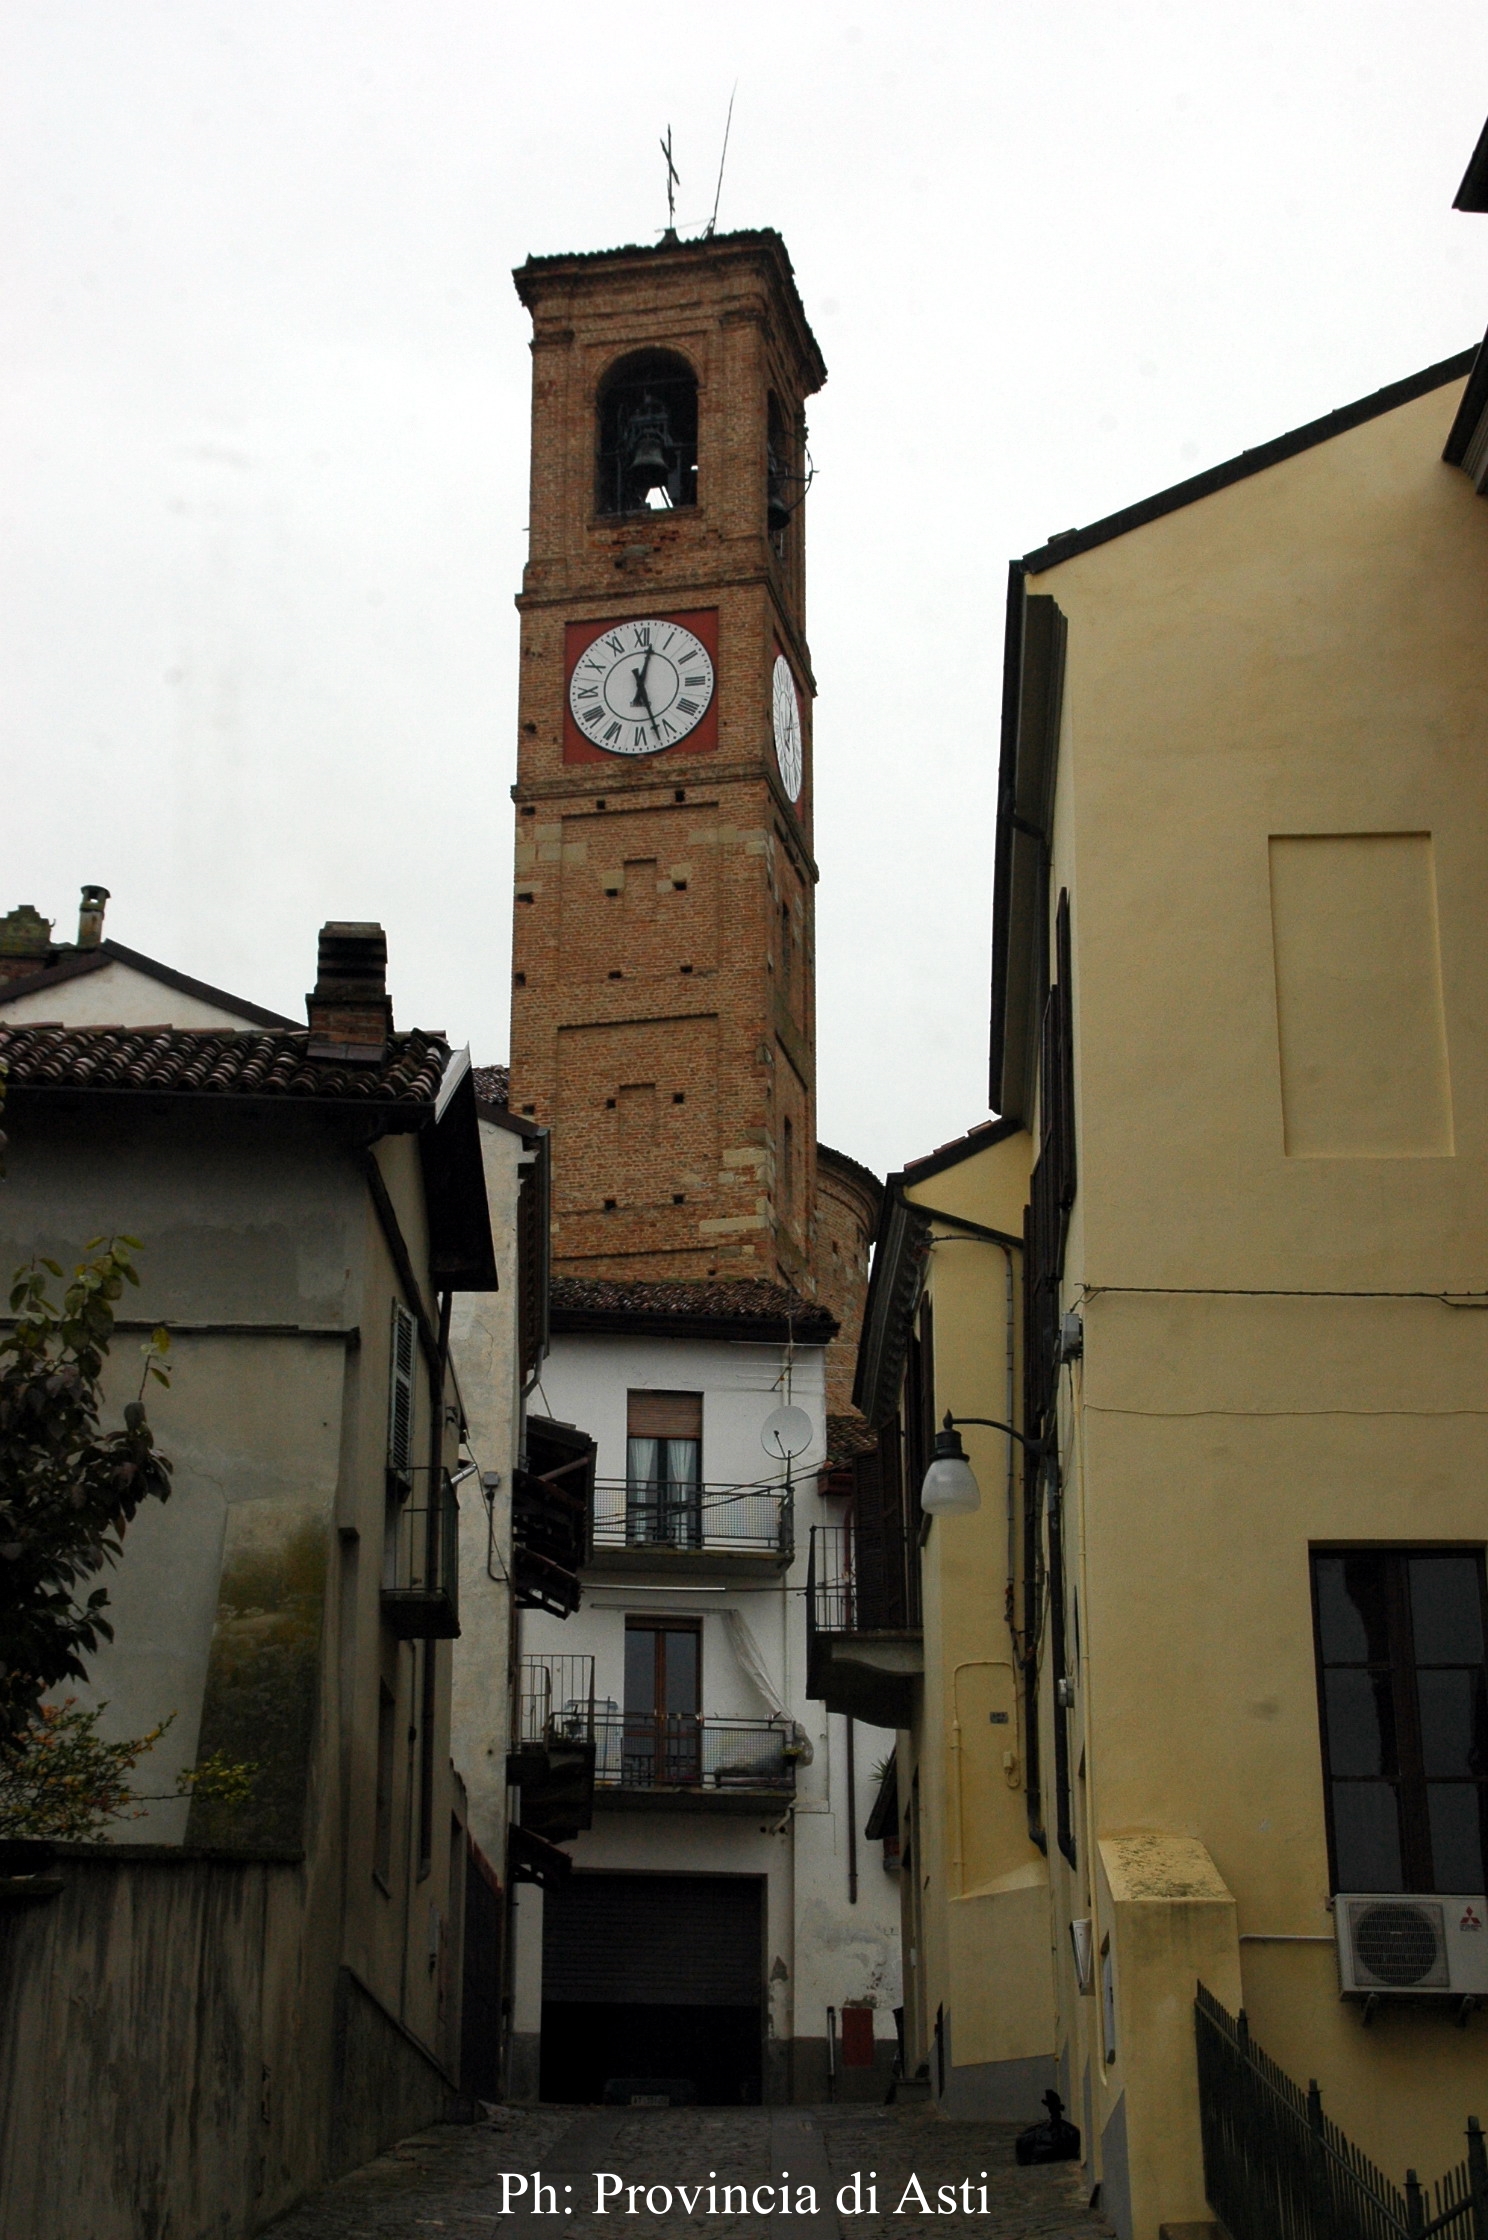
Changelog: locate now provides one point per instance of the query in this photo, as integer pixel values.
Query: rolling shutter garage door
(655, 1940)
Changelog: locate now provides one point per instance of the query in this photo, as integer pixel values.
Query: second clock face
(787, 714)
(640, 686)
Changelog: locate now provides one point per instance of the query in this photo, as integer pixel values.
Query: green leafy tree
(61, 1780)
(68, 1487)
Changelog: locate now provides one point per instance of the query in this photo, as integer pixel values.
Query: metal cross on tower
(673, 182)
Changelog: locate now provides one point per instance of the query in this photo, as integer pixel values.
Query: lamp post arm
(1037, 1447)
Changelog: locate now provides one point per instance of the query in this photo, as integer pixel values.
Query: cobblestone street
(449, 2179)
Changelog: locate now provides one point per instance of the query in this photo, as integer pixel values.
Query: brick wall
(847, 1202)
(663, 1007)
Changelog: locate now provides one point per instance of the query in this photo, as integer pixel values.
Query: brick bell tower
(663, 1021)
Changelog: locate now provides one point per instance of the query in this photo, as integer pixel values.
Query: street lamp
(950, 1488)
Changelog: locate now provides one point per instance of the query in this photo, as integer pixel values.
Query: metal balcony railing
(654, 1513)
(679, 1751)
(556, 1699)
(863, 1579)
(421, 1568)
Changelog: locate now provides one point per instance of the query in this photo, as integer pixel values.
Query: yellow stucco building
(1197, 1694)
(942, 1331)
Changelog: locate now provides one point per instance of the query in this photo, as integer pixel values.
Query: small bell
(777, 511)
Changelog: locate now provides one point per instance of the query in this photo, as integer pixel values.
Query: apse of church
(664, 951)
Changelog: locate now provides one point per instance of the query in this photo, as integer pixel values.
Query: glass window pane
(681, 1672)
(1366, 1835)
(1361, 1722)
(1452, 1721)
(640, 1669)
(1446, 1609)
(1353, 1624)
(642, 1463)
(682, 1464)
(1455, 1815)
(642, 1491)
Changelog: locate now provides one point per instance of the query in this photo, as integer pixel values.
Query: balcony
(421, 1568)
(863, 1640)
(679, 1762)
(553, 1761)
(691, 1532)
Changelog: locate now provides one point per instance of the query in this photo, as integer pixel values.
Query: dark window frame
(661, 1742)
(1401, 1669)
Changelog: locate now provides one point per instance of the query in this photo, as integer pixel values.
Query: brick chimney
(25, 943)
(350, 1011)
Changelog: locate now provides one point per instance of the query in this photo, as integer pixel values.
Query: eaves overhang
(77, 964)
(901, 1250)
(1033, 695)
(1473, 192)
(462, 1251)
(1467, 442)
(1032, 687)
(1073, 542)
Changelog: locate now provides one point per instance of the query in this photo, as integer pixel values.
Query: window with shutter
(400, 1396)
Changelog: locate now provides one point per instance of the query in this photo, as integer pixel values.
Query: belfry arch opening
(647, 453)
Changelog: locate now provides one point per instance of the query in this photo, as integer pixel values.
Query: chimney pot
(349, 1009)
(90, 917)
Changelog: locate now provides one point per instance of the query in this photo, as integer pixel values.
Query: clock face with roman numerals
(640, 686)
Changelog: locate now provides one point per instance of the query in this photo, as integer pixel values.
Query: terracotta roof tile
(578, 1301)
(216, 1061)
(847, 1437)
(492, 1084)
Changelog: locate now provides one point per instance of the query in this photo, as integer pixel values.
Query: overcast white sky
(265, 419)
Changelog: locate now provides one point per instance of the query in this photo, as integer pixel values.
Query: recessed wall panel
(1360, 1022)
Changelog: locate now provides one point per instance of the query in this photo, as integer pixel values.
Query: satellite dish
(787, 1433)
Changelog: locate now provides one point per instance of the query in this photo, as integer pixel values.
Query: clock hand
(642, 697)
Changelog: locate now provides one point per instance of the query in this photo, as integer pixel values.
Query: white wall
(830, 1950)
(117, 995)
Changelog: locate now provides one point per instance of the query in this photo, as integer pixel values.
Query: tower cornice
(540, 277)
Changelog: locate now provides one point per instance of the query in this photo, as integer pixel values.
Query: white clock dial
(641, 686)
(787, 728)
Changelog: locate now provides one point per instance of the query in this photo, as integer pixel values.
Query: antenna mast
(723, 159)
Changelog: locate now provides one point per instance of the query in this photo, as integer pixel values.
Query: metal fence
(679, 1751)
(656, 1513)
(1276, 2168)
(556, 1699)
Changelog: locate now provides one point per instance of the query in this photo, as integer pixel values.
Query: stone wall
(256, 2067)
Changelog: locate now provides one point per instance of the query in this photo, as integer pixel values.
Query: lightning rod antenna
(723, 159)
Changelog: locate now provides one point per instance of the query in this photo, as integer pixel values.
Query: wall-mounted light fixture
(950, 1488)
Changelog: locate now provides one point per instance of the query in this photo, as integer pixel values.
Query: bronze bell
(777, 510)
(647, 439)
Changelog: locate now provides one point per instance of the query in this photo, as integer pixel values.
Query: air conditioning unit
(1400, 1943)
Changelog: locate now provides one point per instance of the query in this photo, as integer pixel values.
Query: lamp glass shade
(950, 1488)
